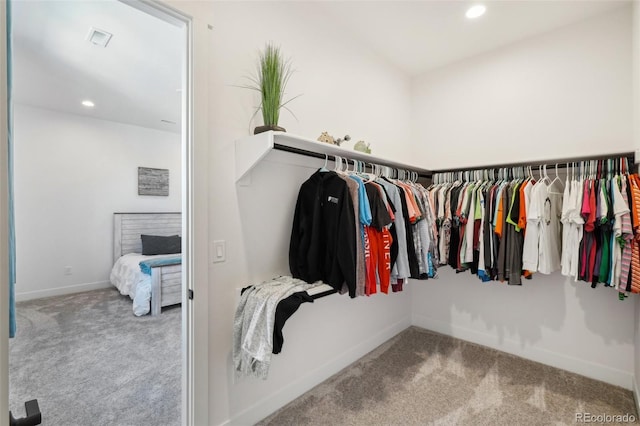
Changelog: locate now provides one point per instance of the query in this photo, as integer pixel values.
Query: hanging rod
(562, 162)
(331, 157)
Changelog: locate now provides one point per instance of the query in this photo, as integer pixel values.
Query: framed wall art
(153, 181)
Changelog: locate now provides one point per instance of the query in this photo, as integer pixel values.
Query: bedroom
(340, 63)
(75, 167)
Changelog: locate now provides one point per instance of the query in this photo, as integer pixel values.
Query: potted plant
(271, 80)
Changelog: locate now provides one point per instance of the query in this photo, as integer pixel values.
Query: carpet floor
(89, 361)
(425, 378)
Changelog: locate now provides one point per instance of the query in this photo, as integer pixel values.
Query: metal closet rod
(333, 158)
(562, 163)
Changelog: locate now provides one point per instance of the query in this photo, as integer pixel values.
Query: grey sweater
(254, 321)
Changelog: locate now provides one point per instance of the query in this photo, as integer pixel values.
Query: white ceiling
(418, 36)
(136, 78)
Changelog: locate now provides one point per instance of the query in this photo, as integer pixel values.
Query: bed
(163, 286)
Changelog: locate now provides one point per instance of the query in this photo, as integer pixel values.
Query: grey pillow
(156, 244)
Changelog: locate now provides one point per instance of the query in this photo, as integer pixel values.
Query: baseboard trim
(281, 397)
(543, 356)
(61, 291)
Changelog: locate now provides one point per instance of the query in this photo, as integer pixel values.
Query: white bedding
(130, 281)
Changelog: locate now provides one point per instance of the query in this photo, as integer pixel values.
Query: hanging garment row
(360, 232)
(507, 224)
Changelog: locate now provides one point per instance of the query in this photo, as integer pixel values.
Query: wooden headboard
(127, 228)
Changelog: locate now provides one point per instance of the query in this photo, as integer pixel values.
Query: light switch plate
(219, 252)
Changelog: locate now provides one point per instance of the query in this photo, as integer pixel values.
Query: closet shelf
(253, 149)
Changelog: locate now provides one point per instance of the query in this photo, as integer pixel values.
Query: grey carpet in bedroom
(424, 378)
(89, 361)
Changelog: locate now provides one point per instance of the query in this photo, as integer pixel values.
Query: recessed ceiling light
(476, 11)
(99, 37)
(88, 103)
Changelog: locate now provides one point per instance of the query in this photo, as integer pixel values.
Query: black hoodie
(323, 235)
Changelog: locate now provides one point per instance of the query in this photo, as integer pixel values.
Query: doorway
(48, 112)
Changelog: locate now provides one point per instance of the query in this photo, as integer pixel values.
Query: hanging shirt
(359, 237)
(524, 199)
(377, 252)
(467, 256)
(401, 268)
(627, 237)
(551, 232)
(587, 235)
(534, 225)
(322, 246)
(364, 210)
(567, 207)
(482, 246)
(576, 228)
(635, 249)
(606, 227)
(363, 201)
(620, 208)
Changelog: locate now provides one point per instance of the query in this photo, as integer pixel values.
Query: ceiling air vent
(99, 37)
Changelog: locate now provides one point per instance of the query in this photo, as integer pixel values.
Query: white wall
(566, 93)
(71, 174)
(345, 90)
(563, 94)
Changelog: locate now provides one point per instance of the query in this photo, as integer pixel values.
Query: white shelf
(252, 149)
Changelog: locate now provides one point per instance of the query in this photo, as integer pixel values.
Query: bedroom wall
(71, 174)
(336, 77)
(563, 94)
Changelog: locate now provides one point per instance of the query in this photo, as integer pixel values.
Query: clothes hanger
(558, 181)
(326, 159)
(574, 166)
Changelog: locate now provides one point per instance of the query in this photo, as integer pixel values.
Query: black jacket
(323, 235)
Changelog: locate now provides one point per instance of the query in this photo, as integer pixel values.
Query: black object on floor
(34, 417)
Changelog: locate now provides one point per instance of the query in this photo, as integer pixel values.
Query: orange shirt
(412, 205)
(500, 216)
(522, 216)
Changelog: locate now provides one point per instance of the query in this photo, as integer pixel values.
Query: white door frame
(195, 388)
(4, 223)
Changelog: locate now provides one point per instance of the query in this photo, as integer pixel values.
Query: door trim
(4, 221)
(195, 397)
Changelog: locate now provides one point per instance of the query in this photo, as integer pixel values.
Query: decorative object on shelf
(326, 138)
(340, 140)
(271, 79)
(362, 147)
(153, 181)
